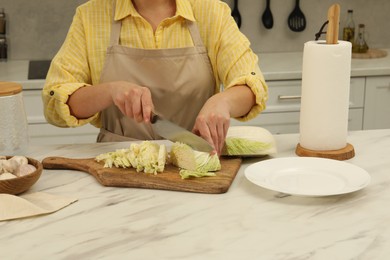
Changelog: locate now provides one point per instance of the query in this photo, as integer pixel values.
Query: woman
(123, 59)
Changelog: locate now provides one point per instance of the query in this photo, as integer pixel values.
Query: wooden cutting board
(167, 180)
(370, 54)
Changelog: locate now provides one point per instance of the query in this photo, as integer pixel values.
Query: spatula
(296, 20)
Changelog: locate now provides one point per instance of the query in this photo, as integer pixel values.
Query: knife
(175, 133)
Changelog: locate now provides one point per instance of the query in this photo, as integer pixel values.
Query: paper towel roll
(325, 95)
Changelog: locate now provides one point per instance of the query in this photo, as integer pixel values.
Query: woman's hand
(212, 122)
(132, 100)
(213, 119)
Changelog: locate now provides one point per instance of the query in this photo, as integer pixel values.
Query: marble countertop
(275, 66)
(247, 222)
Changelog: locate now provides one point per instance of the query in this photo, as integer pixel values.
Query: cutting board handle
(66, 163)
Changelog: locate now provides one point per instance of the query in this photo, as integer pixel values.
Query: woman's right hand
(133, 101)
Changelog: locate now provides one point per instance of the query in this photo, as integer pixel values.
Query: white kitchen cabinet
(41, 132)
(377, 103)
(49, 134)
(288, 122)
(282, 113)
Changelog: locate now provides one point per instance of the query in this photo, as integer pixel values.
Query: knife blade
(175, 133)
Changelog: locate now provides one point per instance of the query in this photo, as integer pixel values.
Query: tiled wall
(37, 28)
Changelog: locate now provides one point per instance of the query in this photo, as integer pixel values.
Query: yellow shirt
(80, 60)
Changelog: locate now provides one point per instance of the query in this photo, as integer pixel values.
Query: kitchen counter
(275, 66)
(288, 65)
(247, 222)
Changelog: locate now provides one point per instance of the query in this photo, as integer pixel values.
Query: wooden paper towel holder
(345, 153)
(348, 151)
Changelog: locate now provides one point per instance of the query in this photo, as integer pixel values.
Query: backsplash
(36, 29)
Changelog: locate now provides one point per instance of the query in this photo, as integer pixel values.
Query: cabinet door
(43, 134)
(285, 96)
(288, 122)
(40, 132)
(377, 103)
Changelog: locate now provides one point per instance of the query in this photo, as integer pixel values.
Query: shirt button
(253, 73)
(51, 93)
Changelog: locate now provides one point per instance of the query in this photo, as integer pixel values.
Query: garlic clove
(20, 160)
(1, 165)
(10, 166)
(7, 176)
(25, 169)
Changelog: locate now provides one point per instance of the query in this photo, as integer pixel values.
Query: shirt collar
(125, 8)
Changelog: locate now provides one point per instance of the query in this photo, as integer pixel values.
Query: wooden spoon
(267, 17)
(296, 20)
(236, 14)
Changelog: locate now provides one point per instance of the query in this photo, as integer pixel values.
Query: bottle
(3, 49)
(349, 28)
(2, 21)
(360, 45)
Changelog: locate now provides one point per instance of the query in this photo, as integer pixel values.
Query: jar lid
(9, 88)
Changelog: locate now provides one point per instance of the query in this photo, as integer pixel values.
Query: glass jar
(360, 45)
(349, 28)
(13, 120)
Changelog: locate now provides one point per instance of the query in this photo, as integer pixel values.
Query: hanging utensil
(236, 14)
(297, 20)
(267, 17)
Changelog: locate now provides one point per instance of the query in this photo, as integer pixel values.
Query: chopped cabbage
(185, 174)
(193, 163)
(147, 156)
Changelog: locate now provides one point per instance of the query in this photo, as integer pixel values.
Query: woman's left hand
(212, 122)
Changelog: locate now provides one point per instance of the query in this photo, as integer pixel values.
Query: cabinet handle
(296, 97)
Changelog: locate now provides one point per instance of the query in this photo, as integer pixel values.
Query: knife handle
(154, 117)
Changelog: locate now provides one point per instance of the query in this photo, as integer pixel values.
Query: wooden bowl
(21, 184)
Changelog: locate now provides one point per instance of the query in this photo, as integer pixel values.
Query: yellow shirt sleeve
(69, 71)
(80, 60)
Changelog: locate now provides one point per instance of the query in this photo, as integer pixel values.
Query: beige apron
(180, 80)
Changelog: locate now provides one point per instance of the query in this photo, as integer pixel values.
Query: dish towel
(33, 204)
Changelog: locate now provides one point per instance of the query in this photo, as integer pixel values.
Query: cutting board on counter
(370, 54)
(167, 180)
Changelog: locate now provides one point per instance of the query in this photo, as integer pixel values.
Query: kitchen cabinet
(377, 103)
(369, 98)
(282, 113)
(40, 131)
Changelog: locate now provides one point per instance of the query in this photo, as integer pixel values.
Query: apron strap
(115, 28)
(195, 34)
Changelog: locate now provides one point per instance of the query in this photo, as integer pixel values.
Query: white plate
(308, 176)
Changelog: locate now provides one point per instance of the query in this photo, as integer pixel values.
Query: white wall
(37, 28)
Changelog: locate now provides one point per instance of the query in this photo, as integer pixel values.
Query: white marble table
(247, 222)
